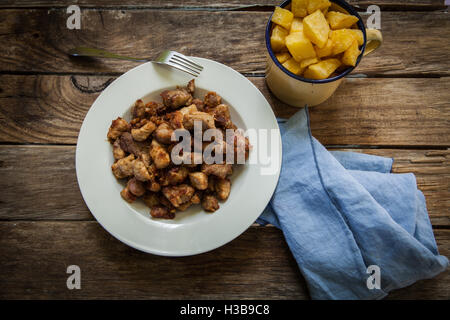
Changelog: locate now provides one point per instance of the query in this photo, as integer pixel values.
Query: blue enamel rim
(343, 5)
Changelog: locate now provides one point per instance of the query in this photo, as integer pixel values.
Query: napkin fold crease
(342, 212)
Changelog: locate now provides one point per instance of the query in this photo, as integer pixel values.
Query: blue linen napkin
(342, 212)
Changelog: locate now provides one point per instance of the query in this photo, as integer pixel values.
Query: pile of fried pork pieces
(142, 152)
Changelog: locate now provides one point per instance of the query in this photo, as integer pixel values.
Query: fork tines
(179, 61)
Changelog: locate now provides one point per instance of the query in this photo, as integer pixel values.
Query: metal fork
(171, 58)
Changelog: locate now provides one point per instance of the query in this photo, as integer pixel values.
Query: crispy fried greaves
(116, 129)
(142, 151)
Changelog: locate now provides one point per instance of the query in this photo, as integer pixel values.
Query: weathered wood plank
(39, 182)
(36, 40)
(46, 180)
(217, 4)
(35, 256)
(385, 112)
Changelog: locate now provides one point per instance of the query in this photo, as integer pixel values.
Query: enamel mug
(298, 91)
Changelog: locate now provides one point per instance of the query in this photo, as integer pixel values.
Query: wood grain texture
(44, 96)
(217, 4)
(257, 265)
(384, 112)
(45, 179)
(36, 40)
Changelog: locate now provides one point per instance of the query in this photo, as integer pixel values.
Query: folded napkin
(342, 212)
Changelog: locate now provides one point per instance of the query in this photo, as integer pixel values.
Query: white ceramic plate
(193, 231)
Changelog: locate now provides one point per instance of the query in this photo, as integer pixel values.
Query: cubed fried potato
(314, 5)
(316, 28)
(358, 36)
(307, 62)
(351, 54)
(282, 17)
(322, 69)
(299, 46)
(296, 26)
(283, 56)
(326, 51)
(277, 39)
(293, 66)
(299, 8)
(339, 20)
(342, 40)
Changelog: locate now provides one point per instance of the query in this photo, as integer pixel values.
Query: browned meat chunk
(150, 199)
(154, 108)
(221, 115)
(206, 120)
(178, 195)
(136, 123)
(241, 146)
(176, 98)
(118, 153)
(189, 109)
(166, 203)
(199, 180)
(188, 159)
(123, 168)
(199, 104)
(219, 170)
(143, 132)
(127, 195)
(223, 187)
(161, 212)
(176, 119)
(140, 171)
(153, 186)
(210, 203)
(177, 175)
(128, 145)
(185, 206)
(138, 110)
(211, 184)
(191, 86)
(212, 99)
(159, 155)
(196, 198)
(136, 187)
(214, 150)
(116, 129)
(163, 179)
(145, 157)
(164, 133)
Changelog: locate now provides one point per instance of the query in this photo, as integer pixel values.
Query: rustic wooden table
(395, 104)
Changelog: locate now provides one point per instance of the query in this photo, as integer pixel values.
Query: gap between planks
(36, 256)
(52, 192)
(198, 5)
(245, 74)
(40, 41)
(330, 147)
(372, 113)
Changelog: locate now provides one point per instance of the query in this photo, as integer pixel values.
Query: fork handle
(99, 53)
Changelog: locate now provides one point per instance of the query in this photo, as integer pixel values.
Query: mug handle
(374, 40)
